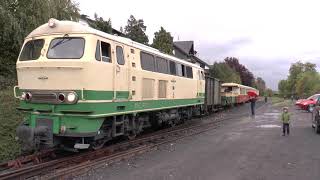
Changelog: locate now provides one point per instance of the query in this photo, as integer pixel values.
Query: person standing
(285, 118)
(253, 105)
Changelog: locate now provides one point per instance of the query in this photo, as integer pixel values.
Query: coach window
(147, 62)
(162, 65)
(173, 70)
(189, 72)
(106, 52)
(120, 57)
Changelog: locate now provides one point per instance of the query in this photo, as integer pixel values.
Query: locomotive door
(121, 64)
(199, 83)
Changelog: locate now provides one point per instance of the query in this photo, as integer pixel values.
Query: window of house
(98, 53)
(106, 52)
(162, 65)
(120, 56)
(189, 72)
(147, 62)
(173, 70)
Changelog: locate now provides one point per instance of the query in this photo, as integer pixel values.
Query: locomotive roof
(66, 27)
(237, 85)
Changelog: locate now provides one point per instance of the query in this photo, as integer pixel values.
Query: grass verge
(10, 118)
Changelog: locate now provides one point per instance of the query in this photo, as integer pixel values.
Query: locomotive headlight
(52, 23)
(63, 129)
(23, 95)
(28, 96)
(71, 97)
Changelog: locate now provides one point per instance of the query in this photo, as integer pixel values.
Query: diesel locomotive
(80, 88)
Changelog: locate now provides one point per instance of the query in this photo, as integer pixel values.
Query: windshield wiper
(63, 40)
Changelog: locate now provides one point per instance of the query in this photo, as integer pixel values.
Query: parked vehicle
(309, 103)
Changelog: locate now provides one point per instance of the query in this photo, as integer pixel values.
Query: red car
(308, 104)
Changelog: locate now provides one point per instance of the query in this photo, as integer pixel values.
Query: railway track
(80, 163)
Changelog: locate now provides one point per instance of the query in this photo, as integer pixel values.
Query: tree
(269, 92)
(102, 25)
(295, 71)
(308, 84)
(222, 71)
(282, 87)
(135, 30)
(163, 41)
(246, 76)
(260, 85)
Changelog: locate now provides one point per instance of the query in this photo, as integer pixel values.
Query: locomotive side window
(31, 50)
(66, 48)
(183, 70)
(173, 70)
(189, 72)
(147, 62)
(180, 69)
(98, 53)
(106, 52)
(162, 65)
(120, 57)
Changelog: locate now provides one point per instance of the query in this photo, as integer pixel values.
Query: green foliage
(222, 71)
(100, 24)
(303, 81)
(295, 70)
(260, 84)
(246, 76)
(135, 30)
(10, 118)
(19, 17)
(163, 41)
(268, 92)
(283, 88)
(308, 83)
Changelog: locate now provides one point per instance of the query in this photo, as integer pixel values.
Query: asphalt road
(246, 148)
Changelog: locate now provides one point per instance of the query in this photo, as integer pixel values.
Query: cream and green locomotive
(80, 87)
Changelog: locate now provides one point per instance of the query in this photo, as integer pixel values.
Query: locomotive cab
(56, 71)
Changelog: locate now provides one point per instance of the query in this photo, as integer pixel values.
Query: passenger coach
(80, 87)
(236, 93)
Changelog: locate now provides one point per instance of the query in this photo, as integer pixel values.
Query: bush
(10, 118)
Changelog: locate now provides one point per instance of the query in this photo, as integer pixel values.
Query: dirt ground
(245, 148)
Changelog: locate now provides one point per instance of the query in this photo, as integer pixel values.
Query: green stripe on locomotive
(86, 117)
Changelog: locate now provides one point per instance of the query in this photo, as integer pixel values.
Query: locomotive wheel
(98, 144)
(131, 135)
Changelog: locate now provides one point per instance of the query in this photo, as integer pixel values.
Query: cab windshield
(66, 48)
(31, 50)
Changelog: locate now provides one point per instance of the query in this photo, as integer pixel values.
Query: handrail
(15, 93)
(82, 94)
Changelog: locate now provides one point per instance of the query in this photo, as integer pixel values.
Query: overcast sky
(266, 35)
